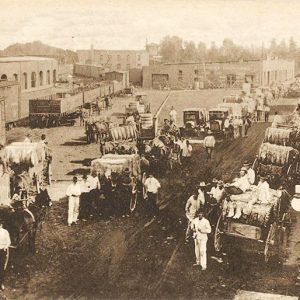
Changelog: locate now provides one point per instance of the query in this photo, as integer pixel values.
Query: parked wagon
(118, 164)
(260, 231)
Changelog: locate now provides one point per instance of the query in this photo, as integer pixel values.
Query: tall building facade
(114, 60)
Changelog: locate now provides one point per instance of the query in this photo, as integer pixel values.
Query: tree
(201, 51)
(171, 48)
(189, 52)
(292, 47)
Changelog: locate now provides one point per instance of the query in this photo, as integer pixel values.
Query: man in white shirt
(73, 192)
(173, 115)
(209, 143)
(263, 190)
(240, 186)
(277, 119)
(4, 248)
(216, 192)
(201, 192)
(250, 172)
(186, 152)
(201, 229)
(152, 186)
(191, 209)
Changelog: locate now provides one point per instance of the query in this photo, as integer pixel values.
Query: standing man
(191, 210)
(250, 172)
(151, 187)
(209, 143)
(73, 192)
(4, 248)
(201, 229)
(267, 113)
(94, 186)
(173, 115)
(186, 153)
(277, 119)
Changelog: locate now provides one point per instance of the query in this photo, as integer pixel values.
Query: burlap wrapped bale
(280, 136)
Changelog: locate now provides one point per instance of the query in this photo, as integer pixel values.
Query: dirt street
(136, 257)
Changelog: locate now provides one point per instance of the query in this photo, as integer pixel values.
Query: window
(4, 77)
(128, 66)
(118, 57)
(41, 77)
(33, 79)
(139, 57)
(54, 76)
(128, 57)
(25, 81)
(48, 77)
(196, 72)
(16, 77)
(118, 66)
(180, 75)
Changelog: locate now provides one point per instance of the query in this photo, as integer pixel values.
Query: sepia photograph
(150, 149)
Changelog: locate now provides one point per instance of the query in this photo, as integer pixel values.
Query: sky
(125, 24)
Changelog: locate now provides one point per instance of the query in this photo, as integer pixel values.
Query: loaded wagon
(30, 167)
(278, 156)
(120, 166)
(260, 231)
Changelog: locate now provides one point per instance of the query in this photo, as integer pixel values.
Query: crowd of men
(108, 195)
(212, 199)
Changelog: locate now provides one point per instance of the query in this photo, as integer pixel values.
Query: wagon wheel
(133, 199)
(218, 234)
(270, 241)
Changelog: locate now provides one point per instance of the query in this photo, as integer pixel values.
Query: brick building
(217, 74)
(26, 77)
(114, 60)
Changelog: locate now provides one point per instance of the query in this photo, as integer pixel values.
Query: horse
(22, 222)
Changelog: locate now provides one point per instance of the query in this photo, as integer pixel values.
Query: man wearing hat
(192, 207)
(250, 172)
(217, 190)
(126, 181)
(73, 193)
(4, 248)
(201, 228)
(209, 143)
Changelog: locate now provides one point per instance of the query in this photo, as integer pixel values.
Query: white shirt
(152, 185)
(216, 193)
(27, 140)
(251, 175)
(242, 183)
(226, 123)
(187, 150)
(209, 141)
(263, 192)
(202, 228)
(201, 196)
(173, 114)
(84, 186)
(93, 182)
(73, 190)
(277, 119)
(180, 144)
(192, 206)
(4, 239)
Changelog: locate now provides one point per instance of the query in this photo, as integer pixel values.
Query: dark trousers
(152, 208)
(267, 116)
(2, 265)
(209, 151)
(84, 206)
(232, 190)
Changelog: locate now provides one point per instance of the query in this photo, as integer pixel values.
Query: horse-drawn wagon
(25, 168)
(261, 230)
(125, 173)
